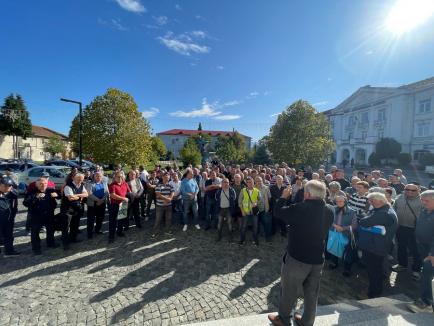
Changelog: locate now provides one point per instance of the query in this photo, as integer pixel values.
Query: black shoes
(12, 253)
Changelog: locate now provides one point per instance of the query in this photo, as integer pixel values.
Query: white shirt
(176, 188)
(144, 176)
(67, 191)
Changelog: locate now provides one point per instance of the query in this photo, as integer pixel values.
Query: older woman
(345, 222)
(333, 191)
(376, 232)
(96, 203)
(118, 190)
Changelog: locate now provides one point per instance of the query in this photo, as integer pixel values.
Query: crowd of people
(370, 215)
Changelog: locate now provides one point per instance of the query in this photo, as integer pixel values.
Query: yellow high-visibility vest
(247, 205)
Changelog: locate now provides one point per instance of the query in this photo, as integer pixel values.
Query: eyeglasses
(413, 190)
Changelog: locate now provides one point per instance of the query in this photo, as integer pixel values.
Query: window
(381, 115)
(36, 173)
(55, 173)
(424, 106)
(423, 129)
(364, 118)
(351, 120)
(381, 134)
(364, 135)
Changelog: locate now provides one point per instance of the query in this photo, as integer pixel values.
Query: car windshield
(56, 173)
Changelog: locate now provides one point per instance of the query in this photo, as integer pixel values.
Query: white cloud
(369, 52)
(117, 24)
(274, 115)
(266, 93)
(321, 103)
(132, 5)
(220, 67)
(207, 110)
(198, 34)
(199, 17)
(152, 112)
(161, 20)
(227, 117)
(178, 7)
(232, 103)
(329, 79)
(183, 44)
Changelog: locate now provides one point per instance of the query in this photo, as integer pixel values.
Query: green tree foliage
(15, 120)
(54, 146)
(200, 126)
(404, 159)
(300, 136)
(388, 148)
(158, 148)
(261, 155)
(231, 149)
(114, 131)
(374, 160)
(190, 153)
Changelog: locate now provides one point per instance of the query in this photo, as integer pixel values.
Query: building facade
(404, 113)
(31, 147)
(175, 139)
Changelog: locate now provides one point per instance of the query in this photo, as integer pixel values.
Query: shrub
(374, 160)
(404, 159)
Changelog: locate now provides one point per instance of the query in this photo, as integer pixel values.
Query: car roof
(51, 167)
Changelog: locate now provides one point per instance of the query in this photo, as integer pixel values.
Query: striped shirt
(165, 190)
(358, 203)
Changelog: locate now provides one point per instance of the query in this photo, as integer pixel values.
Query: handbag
(123, 211)
(350, 255)
(336, 243)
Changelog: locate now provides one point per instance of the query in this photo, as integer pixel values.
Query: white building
(175, 139)
(404, 113)
(32, 147)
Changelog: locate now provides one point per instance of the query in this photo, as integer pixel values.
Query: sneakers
(185, 227)
(398, 268)
(415, 276)
(419, 306)
(197, 226)
(12, 253)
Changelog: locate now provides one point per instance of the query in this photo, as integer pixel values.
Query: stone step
(362, 315)
(419, 319)
(386, 301)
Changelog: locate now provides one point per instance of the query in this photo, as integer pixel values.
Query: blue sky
(226, 63)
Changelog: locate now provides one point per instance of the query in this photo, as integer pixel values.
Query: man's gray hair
(316, 189)
(378, 196)
(377, 189)
(428, 194)
(335, 185)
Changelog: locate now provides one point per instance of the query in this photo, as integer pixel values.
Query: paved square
(172, 280)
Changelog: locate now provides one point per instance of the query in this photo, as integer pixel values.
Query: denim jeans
(190, 204)
(178, 212)
(244, 221)
(426, 282)
(211, 213)
(265, 221)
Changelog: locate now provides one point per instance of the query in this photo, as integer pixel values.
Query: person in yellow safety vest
(248, 202)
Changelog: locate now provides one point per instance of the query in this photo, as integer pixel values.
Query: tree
(374, 160)
(300, 136)
(190, 154)
(15, 120)
(388, 148)
(114, 131)
(231, 149)
(158, 148)
(404, 159)
(200, 126)
(54, 146)
(261, 155)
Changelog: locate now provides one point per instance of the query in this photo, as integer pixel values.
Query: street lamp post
(80, 136)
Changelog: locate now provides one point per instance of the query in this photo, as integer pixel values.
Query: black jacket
(376, 243)
(232, 200)
(309, 223)
(41, 206)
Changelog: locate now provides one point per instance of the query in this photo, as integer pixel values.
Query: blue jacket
(232, 200)
(425, 230)
(348, 219)
(376, 243)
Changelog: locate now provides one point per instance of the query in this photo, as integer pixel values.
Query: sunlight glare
(408, 14)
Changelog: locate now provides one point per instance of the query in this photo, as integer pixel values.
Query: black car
(63, 163)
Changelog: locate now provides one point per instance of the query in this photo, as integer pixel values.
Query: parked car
(68, 163)
(57, 174)
(84, 163)
(16, 167)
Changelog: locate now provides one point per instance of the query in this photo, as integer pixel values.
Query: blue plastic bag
(336, 243)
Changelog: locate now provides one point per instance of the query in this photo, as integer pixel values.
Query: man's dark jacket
(309, 223)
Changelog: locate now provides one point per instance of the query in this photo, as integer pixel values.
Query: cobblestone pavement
(172, 280)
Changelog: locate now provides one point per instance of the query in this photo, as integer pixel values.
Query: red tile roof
(39, 131)
(196, 132)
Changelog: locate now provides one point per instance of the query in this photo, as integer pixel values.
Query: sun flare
(406, 15)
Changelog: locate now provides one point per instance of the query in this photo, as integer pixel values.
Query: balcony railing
(380, 124)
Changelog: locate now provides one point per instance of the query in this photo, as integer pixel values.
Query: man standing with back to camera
(303, 261)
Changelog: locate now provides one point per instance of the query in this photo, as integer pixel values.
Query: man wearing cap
(41, 204)
(7, 214)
